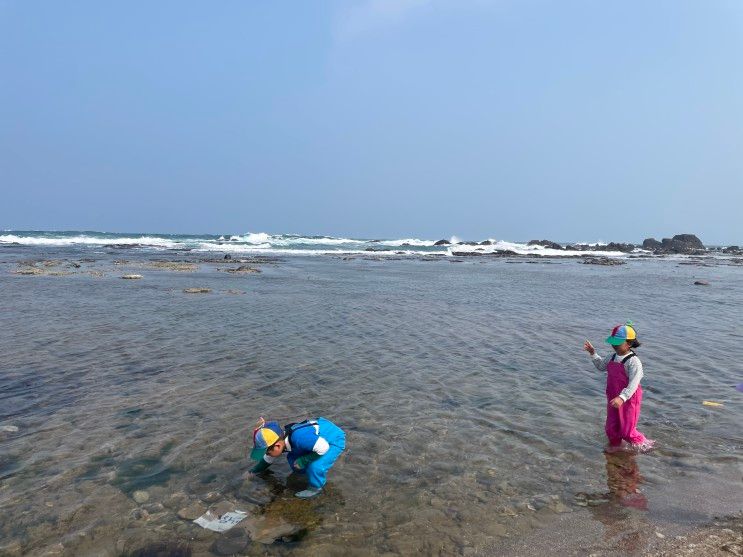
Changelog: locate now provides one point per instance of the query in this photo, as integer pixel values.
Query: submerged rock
(192, 511)
(701, 283)
(232, 542)
(140, 496)
(243, 269)
(132, 277)
(179, 266)
(197, 290)
(602, 261)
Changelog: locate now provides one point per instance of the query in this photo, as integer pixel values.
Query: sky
(566, 120)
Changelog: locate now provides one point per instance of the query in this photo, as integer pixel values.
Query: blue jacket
(311, 436)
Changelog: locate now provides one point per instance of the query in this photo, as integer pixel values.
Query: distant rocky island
(680, 244)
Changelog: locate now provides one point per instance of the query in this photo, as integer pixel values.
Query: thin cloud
(372, 15)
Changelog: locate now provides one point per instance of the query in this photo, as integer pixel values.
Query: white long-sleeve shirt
(633, 367)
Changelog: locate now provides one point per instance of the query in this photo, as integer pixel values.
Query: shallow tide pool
(474, 420)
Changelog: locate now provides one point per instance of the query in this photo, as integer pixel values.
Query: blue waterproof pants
(317, 470)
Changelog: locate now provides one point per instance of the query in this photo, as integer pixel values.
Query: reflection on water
(472, 415)
(623, 480)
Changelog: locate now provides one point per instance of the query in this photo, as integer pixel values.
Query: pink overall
(621, 423)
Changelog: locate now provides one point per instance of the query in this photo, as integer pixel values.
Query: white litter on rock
(210, 521)
(9, 428)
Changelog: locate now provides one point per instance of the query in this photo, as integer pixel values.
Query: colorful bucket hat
(265, 435)
(622, 333)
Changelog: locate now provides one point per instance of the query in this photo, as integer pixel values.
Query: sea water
(474, 420)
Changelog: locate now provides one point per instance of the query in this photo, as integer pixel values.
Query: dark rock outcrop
(442, 243)
(617, 246)
(602, 261)
(545, 243)
(681, 243)
(486, 243)
(701, 283)
(651, 244)
(500, 253)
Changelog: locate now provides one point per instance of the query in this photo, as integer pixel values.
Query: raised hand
(588, 347)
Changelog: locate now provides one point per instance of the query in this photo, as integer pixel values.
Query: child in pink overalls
(623, 392)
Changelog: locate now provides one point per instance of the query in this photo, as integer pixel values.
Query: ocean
(474, 420)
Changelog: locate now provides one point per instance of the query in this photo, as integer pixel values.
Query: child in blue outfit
(312, 447)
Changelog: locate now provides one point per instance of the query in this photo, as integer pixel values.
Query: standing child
(311, 447)
(623, 392)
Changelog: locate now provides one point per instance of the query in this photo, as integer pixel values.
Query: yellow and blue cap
(265, 435)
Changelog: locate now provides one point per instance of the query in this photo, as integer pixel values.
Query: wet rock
(223, 507)
(232, 542)
(132, 277)
(602, 261)
(179, 266)
(559, 507)
(211, 497)
(486, 243)
(651, 244)
(197, 290)
(139, 514)
(192, 511)
(617, 246)
(29, 271)
(176, 500)
(140, 496)
(499, 253)
(8, 428)
(680, 243)
(545, 243)
(161, 549)
(267, 530)
(243, 269)
(491, 528)
(12, 548)
(52, 551)
(442, 243)
(154, 508)
(227, 257)
(701, 283)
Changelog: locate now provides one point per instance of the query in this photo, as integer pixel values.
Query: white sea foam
(290, 244)
(407, 241)
(89, 240)
(525, 249)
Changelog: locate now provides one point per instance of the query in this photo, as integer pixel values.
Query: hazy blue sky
(394, 118)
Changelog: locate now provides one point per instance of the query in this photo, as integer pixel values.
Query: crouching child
(311, 448)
